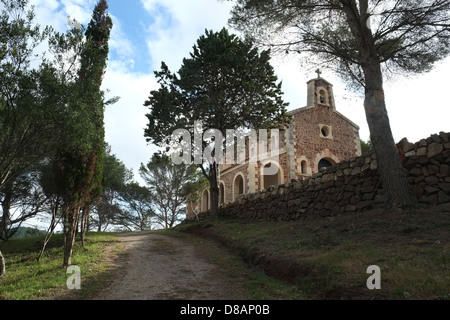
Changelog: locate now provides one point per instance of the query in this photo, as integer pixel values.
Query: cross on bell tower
(318, 73)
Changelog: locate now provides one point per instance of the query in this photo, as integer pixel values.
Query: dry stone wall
(354, 185)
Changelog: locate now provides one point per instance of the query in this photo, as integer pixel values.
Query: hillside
(318, 259)
(26, 232)
(328, 258)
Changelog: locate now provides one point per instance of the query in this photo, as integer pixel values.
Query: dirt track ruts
(160, 267)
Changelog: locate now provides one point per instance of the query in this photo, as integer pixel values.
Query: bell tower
(320, 93)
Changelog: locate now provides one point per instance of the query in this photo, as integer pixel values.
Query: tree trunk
(6, 213)
(51, 229)
(70, 230)
(396, 188)
(166, 218)
(4, 226)
(2, 265)
(214, 189)
(84, 222)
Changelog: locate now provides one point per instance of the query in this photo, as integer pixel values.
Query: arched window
(324, 163)
(322, 97)
(272, 175)
(238, 186)
(303, 167)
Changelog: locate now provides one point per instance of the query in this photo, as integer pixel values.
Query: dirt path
(165, 268)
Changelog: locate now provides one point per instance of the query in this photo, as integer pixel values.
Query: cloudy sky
(147, 32)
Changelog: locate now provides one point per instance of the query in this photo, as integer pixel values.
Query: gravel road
(167, 268)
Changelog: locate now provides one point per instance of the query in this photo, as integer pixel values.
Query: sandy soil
(159, 267)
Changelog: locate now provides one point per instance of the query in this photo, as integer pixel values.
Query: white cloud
(55, 13)
(45, 9)
(177, 26)
(81, 10)
(125, 121)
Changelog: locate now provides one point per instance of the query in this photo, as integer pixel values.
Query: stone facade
(318, 136)
(353, 185)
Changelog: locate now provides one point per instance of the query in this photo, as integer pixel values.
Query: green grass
(28, 279)
(327, 258)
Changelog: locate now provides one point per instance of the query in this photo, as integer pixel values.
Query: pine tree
(227, 84)
(79, 164)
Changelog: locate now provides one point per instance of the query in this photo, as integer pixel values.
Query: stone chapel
(317, 137)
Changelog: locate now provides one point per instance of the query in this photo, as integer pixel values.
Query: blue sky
(132, 19)
(147, 32)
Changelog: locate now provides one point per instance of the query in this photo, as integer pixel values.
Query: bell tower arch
(320, 93)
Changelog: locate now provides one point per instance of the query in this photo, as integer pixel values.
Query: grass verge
(328, 258)
(29, 279)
